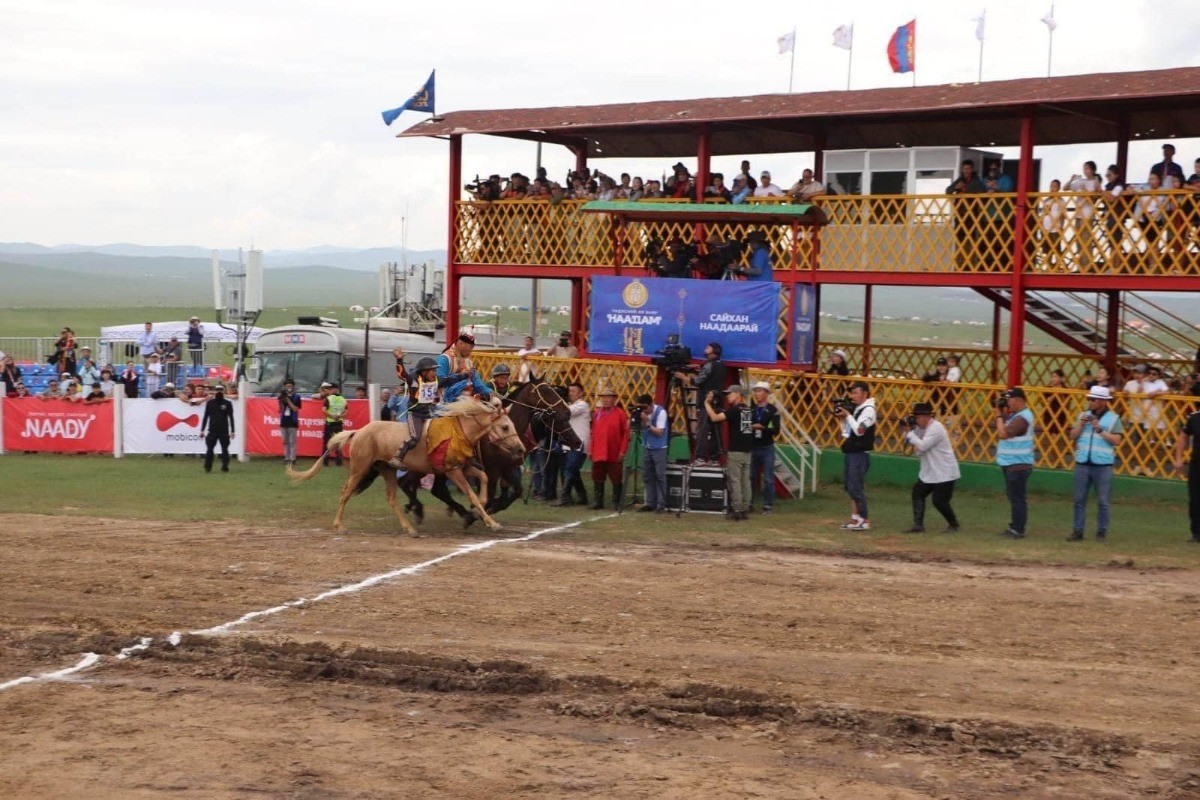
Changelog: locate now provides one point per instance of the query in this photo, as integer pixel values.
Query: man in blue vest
(1096, 434)
(455, 370)
(1015, 455)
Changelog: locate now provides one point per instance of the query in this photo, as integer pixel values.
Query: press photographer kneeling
(939, 467)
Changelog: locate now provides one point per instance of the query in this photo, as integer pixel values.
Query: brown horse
(375, 443)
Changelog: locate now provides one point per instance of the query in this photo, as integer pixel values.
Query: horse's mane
(469, 406)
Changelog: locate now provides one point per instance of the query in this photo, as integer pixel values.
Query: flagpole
(792, 68)
(850, 57)
(1050, 49)
(979, 78)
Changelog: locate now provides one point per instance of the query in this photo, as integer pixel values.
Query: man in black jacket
(218, 421)
(711, 378)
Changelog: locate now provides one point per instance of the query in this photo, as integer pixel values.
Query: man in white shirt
(805, 189)
(525, 369)
(147, 342)
(1145, 416)
(766, 188)
(939, 467)
(581, 424)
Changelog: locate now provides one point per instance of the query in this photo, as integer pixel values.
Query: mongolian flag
(902, 48)
(421, 101)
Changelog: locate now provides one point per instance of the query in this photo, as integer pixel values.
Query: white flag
(787, 42)
(980, 23)
(1051, 23)
(843, 37)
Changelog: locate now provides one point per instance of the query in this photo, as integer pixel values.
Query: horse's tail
(335, 441)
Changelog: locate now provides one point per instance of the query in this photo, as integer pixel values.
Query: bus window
(310, 370)
(352, 369)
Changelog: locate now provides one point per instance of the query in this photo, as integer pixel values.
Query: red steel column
(868, 297)
(452, 278)
(1112, 331)
(577, 326)
(1016, 331)
(703, 161)
(1122, 146)
(819, 156)
(995, 342)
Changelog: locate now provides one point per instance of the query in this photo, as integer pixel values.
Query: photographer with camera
(939, 467)
(708, 379)
(563, 348)
(759, 268)
(739, 420)
(651, 418)
(857, 415)
(484, 190)
(765, 424)
(1014, 425)
(1096, 435)
(289, 419)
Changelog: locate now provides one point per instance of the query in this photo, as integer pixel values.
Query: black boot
(618, 496)
(598, 486)
(398, 461)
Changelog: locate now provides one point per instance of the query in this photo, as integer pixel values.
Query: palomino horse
(533, 400)
(375, 443)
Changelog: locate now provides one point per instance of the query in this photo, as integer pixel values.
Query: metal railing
(966, 409)
(1146, 233)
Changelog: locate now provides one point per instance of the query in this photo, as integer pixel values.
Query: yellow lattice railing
(1136, 233)
(1146, 234)
(966, 409)
(628, 379)
(979, 366)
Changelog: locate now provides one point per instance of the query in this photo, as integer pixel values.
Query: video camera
(673, 357)
(484, 188)
(909, 421)
(844, 403)
(1000, 401)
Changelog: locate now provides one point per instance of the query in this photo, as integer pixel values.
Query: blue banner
(634, 316)
(804, 323)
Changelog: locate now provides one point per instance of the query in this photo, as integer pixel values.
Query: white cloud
(224, 122)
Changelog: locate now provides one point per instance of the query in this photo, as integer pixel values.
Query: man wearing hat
(1096, 435)
(610, 441)
(766, 188)
(195, 341)
(760, 258)
(939, 468)
(456, 370)
(218, 421)
(1015, 426)
(564, 348)
(764, 422)
(738, 420)
(167, 391)
(656, 438)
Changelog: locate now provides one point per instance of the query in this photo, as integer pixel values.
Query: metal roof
(1156, 104)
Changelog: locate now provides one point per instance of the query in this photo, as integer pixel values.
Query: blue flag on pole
(421, 101)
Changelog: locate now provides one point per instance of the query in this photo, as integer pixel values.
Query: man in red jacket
(610, 440)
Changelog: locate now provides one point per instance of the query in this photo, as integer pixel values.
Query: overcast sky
(225, 123)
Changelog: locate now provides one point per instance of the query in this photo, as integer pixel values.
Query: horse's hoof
(495, 526)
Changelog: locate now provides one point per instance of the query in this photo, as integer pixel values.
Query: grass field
(259, 493)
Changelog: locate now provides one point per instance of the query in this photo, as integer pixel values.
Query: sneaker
(850, 526)
(951, 529)
(1012, 533)
(861, 525)
(1076, 536)
(1101, 536)
(646, 509)
(766, 510)
(915, 529)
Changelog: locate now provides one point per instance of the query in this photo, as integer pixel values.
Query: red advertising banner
(57, 426)
(262, 425)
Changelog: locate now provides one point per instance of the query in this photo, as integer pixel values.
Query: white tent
(165, 330)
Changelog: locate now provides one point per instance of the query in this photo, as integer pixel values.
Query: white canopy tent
(117, 335)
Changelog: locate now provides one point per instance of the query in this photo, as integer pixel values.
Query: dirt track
(550, 668)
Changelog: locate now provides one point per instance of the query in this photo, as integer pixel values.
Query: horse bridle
(538, 411)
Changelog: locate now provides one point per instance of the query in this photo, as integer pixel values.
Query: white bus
(312, 354)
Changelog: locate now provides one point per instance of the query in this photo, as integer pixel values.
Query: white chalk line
(90, 660)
